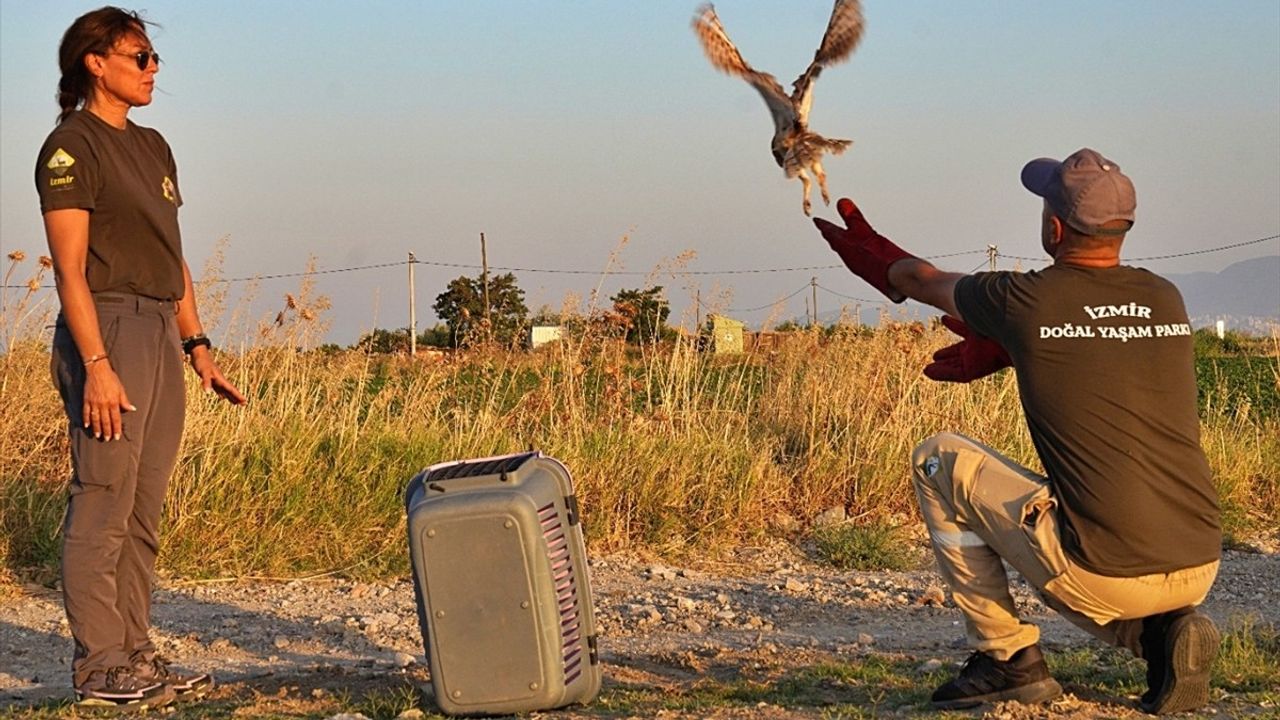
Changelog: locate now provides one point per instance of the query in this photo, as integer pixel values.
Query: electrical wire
(738, 271)
(1205, 251)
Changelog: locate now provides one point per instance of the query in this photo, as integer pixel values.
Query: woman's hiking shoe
(1179, 647)
(120, 688)
(1024, 678)
(185, 685)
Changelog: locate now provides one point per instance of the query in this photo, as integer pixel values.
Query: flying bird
(796, 149)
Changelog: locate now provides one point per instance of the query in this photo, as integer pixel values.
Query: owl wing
(724, 56)
(844, 31)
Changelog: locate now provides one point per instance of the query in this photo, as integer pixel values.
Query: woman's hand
(104, 400)
(211, 377)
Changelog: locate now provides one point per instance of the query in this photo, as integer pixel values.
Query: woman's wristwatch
(189, 344)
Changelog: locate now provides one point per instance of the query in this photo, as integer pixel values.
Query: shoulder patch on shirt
(60, 164)
(166, 187)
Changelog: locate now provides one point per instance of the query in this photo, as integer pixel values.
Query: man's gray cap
(1086, 191)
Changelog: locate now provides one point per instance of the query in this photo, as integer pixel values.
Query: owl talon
(822, 181)
(795, 148)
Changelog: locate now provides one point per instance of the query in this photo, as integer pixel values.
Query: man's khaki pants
(111, 530)
(980, 507)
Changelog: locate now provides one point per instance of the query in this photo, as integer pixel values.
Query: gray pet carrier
(501, 582)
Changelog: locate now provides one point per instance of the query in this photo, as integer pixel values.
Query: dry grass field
(675, 451)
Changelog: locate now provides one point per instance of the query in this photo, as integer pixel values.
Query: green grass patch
(1239, 384)
(1110, 671)
(1249, 660)
(1247, 669)
(869, 546)
(860, 688)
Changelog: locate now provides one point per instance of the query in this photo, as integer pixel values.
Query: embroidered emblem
(931, 466)
(166, 187)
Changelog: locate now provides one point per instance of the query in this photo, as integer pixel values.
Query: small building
(726, 334)
(540, 335)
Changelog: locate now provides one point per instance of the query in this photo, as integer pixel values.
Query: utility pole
(992, 252)
(484, 274)
(813, 288)
(697, 307)
(413, 310)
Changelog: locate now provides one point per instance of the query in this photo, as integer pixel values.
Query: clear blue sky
(357, 132)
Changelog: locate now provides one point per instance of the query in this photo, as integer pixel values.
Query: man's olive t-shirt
(1106, 372)
(128, 182)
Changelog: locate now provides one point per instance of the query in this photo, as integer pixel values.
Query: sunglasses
(143, 58)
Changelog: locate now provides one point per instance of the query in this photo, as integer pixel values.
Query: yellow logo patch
(170, 192)
(60, 162)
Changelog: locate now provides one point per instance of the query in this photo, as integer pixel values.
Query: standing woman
(109, 194)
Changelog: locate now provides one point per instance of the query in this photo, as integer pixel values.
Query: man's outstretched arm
(922, 282)
(888, 268)
(900, 275)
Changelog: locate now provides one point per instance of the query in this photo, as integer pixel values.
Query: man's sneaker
(120, 688)
(185, 686)
(1179, 647)
(1152, 640)
(1024, 677)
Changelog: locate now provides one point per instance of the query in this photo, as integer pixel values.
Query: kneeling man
(1121, 535)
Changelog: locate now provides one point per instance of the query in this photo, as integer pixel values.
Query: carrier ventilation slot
(491, 466)
(556, 536)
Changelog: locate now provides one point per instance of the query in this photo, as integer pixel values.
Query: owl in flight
(796, 149)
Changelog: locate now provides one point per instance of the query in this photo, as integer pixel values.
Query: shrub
(871, 546)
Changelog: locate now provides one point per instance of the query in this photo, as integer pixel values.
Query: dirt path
(661, 627)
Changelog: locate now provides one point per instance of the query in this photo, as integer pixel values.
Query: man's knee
(926, 459)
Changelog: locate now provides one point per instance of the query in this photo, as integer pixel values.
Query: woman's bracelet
(94, 358)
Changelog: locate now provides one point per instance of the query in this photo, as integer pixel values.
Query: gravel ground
(658, 623)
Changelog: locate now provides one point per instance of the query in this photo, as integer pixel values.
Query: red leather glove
(972, 358)
(864, 251)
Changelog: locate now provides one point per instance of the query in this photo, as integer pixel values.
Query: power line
(1175, 255)
(738, 271)
(779, 301)
(621, 272)
(311, 272)
(741, 271)
(467, 266)
(850, 297)
(979, 266)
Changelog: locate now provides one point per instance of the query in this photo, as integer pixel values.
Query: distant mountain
(1246, 295)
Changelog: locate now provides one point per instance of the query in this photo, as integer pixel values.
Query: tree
(435, 336)
(461, 306)
(645, 312)
(381, 340)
